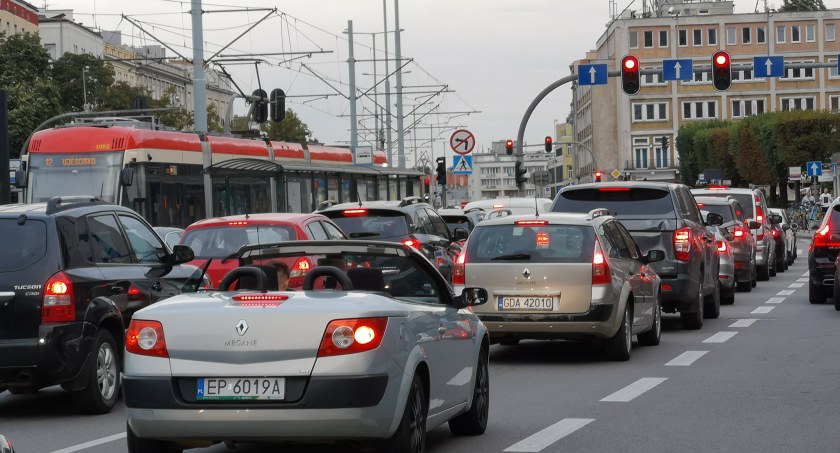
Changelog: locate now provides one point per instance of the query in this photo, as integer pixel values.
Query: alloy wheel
(106, 371)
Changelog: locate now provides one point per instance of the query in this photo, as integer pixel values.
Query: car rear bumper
(679, 293)
(56, 356)
(726, 274)
(762, 254)
(597, 322)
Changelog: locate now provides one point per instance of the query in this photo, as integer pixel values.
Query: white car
(391, 354)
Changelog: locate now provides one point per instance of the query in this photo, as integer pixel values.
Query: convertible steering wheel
(236, 273)
(327, 271)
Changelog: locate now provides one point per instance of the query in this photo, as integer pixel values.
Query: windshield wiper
(363, 234)
(513, 256)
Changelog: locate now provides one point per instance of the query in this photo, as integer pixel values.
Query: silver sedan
(391, 353)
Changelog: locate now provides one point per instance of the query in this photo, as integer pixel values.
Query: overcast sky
(497, 55)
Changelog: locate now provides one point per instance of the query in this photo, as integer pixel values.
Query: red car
(221, 237)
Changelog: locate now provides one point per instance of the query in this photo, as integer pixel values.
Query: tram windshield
(52, 175)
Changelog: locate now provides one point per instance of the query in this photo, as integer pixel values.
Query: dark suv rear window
(542, 244)
(23, 245)
(620, 201)
(370, 223)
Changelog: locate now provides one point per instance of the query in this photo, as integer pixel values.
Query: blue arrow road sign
(462, 165)
(592, 74)
(814, 168)
(769, 66)
(678, 69)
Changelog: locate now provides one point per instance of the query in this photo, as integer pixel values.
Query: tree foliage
(82, 78)
(291, 129)
(802, 5)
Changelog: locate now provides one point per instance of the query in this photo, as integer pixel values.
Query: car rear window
(25, 243)
(620, 201)
(456, 221)
(531, 244)
(220, 242)
(370, 223)
(724, 210)
(744, 199)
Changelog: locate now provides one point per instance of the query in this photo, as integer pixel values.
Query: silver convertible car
(374, 347)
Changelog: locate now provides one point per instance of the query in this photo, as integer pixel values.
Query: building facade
(60, 34)
(630, 129)
(492, 174)
(17, 16)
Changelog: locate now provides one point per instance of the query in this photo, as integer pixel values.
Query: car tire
(694, 321)
(653, 336)
(816, 295)
(619, 346)
(763, 272)
(728, 297)
(410, 436)
(140, 445)
(474, 421)
(103, 387)
(771, 270)
(712, 304)
(744, 287)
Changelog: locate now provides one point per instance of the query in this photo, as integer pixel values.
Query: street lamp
(84, 87)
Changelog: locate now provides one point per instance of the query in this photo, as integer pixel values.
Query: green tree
(120, 96)
(802, 5)
(25, 75)
(214, 119)
(80, 78)
(692, 164)
(291, 129)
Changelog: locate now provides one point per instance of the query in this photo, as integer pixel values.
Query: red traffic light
(426, 181)
(721, 58)
(509, 147)
(631, 79)
(630, 63)
(721, 71)
(597, 175)
(548, 143)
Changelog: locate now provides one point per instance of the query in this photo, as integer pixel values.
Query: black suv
(73, 271)
(410, 221)
(822, 256)
(661, 216)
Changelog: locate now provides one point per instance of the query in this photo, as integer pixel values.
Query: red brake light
(351, 336)
(260, 300)
(717, 187)
(531, 222)
(354, 212)
(682, 244)
(700, 205)
(298, 270)
(413, 243)
(822, 238)
(459, 274)
(58, 304)
(146, 338)
(600, 268)
(239, 223)
(497, 206)
(739, 231)
(613, 189)
(775, 233)
(722, 247)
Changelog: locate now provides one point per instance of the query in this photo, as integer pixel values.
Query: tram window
(316, 231)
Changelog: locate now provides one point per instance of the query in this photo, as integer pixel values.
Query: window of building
(798, 103)
(699, 77)
(744, 75)
(829, 32)
(683, 38)
(731, 36)
(780, 34)
(640, 153)
(648, 39)
(799, 73)
(834, 103)
(810, 33)
(693, 110)
(832, 71)
(650, 111)
(761, 35)
(746, 107)
(634, 40)
(652, 79)
(660, 156)
(712, 37)
(663, 38)
(746, 37)
(794, 33)
(698, 37)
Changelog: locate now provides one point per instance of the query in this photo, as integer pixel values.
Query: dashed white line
(802, 280)
(720, 337)
(806, 274)
(686, 358)
(550, 435)
(90, 444)
(762, 310)
(633, 390)
(786, 292)
(796, 285)
(775, 300)
(743, 323)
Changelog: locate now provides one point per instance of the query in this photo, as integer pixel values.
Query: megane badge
(526, 273)
(241, 327)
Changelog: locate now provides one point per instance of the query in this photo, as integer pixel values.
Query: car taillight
(301, 267)
(682, 244)
(413, 243)
(722, 246)
(600, 268)
(146, 338)
(822, 238)
(260, 300)
(759, 213)
(459, 274)
(738, 231)
(775, 233)
(58, 304)
(355, 212)
(351, 336)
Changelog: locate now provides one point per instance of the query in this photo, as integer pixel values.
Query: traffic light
(509, 147)
(519, 173)
(597, 176)
(630, 74)
(548, 144)
(260, 111)
(441, 170)
(277, 106)
(426, 185)
(664, 141)
(721, 71)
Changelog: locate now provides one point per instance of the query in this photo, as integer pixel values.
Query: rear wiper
(513, 256)
(363, 234)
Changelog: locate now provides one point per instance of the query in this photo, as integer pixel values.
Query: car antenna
(536, 205)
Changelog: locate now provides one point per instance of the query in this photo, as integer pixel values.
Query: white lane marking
(762, 310)
(550, 435)
(720, 337)
(743, 323)
(775, 300)
(90, 444)
(796, 285)
(802, 280)
(806, 274)
(786, 292)
(686, 358)
(635, 389)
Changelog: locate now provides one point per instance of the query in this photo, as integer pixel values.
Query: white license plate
(233, 388)
(537, 303)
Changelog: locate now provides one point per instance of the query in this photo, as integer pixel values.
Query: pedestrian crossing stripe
(462, 165)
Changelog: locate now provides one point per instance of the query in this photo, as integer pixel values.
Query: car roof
(514, 202)
(553, 218)
(451, 212)
(264, 219)
(395, 205)
(43, 208)
(631, 184)
(724, 189)
(715, 200)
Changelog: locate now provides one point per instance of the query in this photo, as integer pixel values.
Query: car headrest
(366, 278)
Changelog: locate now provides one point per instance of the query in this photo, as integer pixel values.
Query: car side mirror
(470, 297)
(182, 254)
(20, 179)
(653, 256)
(127, 176)
(754, 224)
(461, 234)
(714, 219)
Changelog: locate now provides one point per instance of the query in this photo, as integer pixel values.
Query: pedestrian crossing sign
(462, 165)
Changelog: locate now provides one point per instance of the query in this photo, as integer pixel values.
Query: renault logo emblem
(526, 273)
(241, 327)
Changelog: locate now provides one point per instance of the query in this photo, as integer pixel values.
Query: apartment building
(17, 16)
(492, 173)
(560, 166)
(625, 132)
